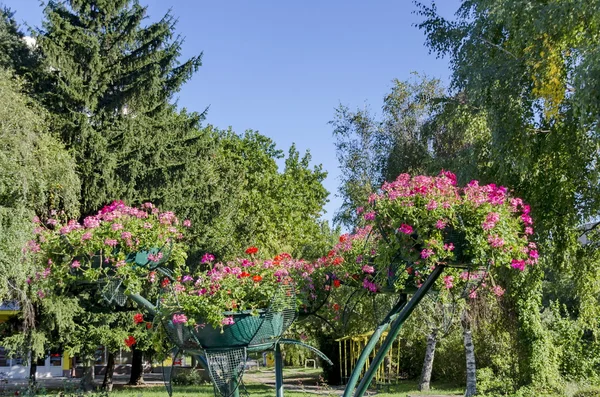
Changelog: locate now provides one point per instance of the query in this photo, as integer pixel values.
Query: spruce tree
(15, 55)
(110, 78)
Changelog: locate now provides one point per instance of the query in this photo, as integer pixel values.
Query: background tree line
(87, 116)
(521, 111)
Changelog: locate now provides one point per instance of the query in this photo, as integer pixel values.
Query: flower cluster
(103, 244)
(415, 223)
(210, 297)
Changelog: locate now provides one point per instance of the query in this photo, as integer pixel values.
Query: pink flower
(207, 258)
(116, 226)
(360, 210)
(126, 235)
(86, 236)
(41, 294)
(147, 225)
(75, 264)
(187, 223)
(449, 247)
(495, 241)
(33, 246)
(91, 222)
(518, 264)
(448, 281)
(431, 205)
(52, 222)
(369, 216)
(526, 219)
(473, 294)
(371, 286)
(498, 290)
(528, 230)
(187, 278)
(111, 242)
(368, 269)
(406, 229)
(487, 225)
(492, 217)
(120, 263)
(179, 319)
(449, 175)
(426, 253)
(227, 321)
(440, 224)
(155, 258)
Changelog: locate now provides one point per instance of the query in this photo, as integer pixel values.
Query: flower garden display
(413, 229)
(417, 223)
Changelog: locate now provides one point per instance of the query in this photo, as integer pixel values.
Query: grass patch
(411, 387)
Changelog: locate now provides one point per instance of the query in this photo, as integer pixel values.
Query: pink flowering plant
(212, 296)
(118, 242)
(414, 224)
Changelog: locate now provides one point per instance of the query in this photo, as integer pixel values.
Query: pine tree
(108, 76)
(15, 55)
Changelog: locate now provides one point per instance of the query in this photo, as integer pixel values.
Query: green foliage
(14, 53)
(35, 170)
(593, 391)
(188, 377)
(372, 150)
(106, 80)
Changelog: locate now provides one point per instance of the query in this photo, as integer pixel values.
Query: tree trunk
(470, 355)
(107, 384)
(87, 379)
(137, 368)
(428, 362)
(32, 369)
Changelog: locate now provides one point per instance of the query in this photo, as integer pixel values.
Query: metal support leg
(395, 329)
(366, 352)
(278, 371)
(235, 387)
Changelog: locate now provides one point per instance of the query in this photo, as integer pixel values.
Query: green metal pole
(278, 371)
(235, 387)
(395, 329)
(366, 352)
(141, 301)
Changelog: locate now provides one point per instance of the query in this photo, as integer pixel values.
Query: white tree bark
(470, 355)
(428, 362)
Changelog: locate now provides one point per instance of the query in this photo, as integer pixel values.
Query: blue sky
(282, 67)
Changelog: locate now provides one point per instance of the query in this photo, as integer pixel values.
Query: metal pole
(278, 371)
(364, 355)
(395, 329)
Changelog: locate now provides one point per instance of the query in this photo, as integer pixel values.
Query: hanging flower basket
(415, 224)
(252, 329)
(119, 242)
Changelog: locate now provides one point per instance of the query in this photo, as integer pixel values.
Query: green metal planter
(254, 331)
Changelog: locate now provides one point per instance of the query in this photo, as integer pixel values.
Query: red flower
(336, 307)
(130, 341)
(252, 250)
(257, 278)
(138, 318)
(245, 274)
(337, 283)
(165, 283)
(338, 261)
(343, 238)
(409, 270)
(148, 325)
